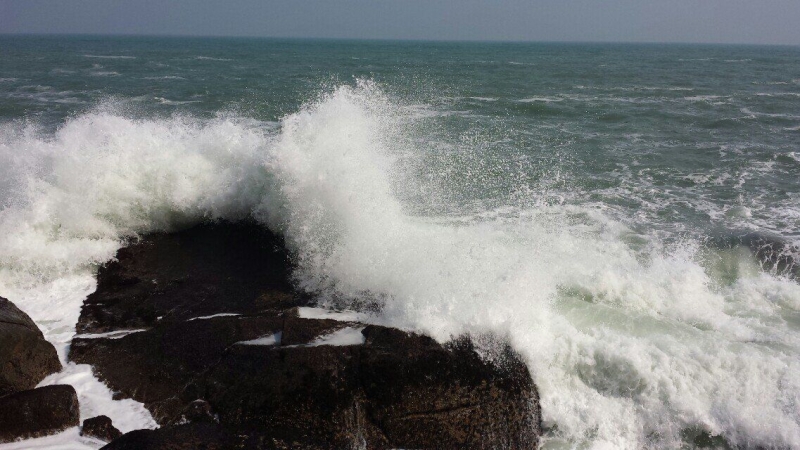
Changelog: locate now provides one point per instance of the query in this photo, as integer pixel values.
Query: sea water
(568, 198)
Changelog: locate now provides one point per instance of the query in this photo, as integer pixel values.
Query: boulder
(100, 427)
(203, 327)
(198, 411)
(25, 356)
(206, 270)
(774, 253)
(38, 412)
(180, 437)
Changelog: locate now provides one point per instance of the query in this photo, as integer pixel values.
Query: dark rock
(774, 254)
(189, 437)
(203, 384)
(100, 427)
(419, 394)
(25, 356)
(209, 269)
(156, 366)
(38, 412)
(198, 411)
(397, 390)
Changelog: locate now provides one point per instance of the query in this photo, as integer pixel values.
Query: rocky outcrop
(100, 427)
(774, 254)
(204, 328)
(180, 437)
(207, 270)
(38, 412)
(25, 356)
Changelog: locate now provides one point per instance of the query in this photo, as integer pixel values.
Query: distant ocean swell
(634, 342)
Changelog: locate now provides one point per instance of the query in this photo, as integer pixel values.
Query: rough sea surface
(582, 201)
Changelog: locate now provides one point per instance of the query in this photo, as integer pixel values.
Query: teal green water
(568, 197)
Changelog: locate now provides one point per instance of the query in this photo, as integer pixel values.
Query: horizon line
(362, 39)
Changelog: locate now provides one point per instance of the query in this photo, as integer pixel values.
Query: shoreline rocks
(203, 327)
(773, 254)
(26, 358)
(100, 427)
(38, 412)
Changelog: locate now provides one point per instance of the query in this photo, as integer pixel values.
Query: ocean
(588, 203)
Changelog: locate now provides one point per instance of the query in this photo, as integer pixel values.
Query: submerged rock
(215, 347)
(25, 356)
(100, 427)
(38, 412)
(774, 254)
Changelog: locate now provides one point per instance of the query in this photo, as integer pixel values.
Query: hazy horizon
(420, 40)
(772, 22)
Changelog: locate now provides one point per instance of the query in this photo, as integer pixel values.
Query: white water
(628, 346)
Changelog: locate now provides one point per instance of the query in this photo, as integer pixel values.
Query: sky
(702, 21)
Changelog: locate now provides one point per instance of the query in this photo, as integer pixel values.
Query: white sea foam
(69, 439)
(306, 312)
(104, 73)
(629, 345)
(165, 101)
(211, 58)
(110, 56)
(119, 334)
(715, 99)
(343, 337)
(214, 316)
(166, 77)
(270, 339)
(540, 99)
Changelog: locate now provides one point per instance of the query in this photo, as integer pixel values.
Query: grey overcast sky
(719, 21)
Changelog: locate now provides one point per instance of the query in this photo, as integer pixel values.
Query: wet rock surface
(38, 412)
(179, 437)
(774, 254)
(25, 356)
(100, 427)
(203, 327)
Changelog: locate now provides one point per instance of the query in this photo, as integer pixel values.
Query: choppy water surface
(571, 198)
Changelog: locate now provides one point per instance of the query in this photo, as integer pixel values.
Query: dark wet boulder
(156, 366)
(198, 411)
(181, 437)
(420, 393)
(398, 389)
(209, 269)
(100, 427)
(38, 412)
(775, 254)
(227, 360)
(25, 356)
